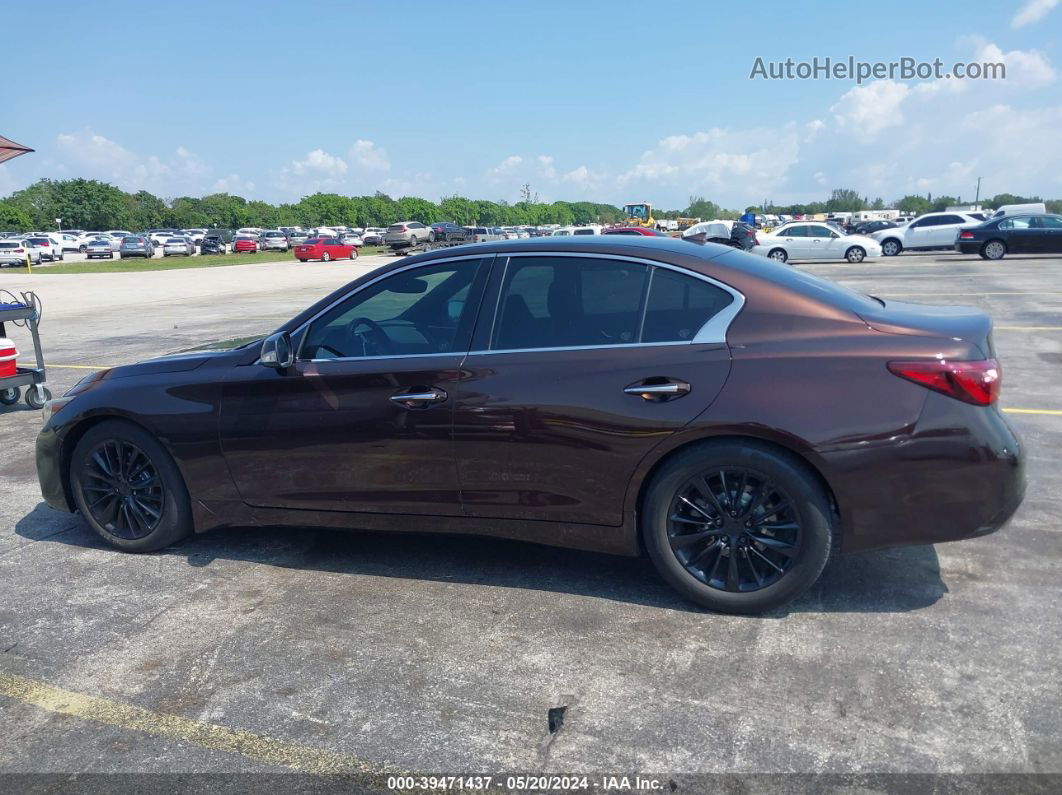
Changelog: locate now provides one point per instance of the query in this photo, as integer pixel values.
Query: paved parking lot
(364, 653)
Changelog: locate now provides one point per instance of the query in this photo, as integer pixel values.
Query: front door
(363, 420)
(590, 363)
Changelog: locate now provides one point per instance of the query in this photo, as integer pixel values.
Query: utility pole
(977, 198)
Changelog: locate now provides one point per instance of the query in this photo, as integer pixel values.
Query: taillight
(19, 250)
(970, 382)
(967, 235)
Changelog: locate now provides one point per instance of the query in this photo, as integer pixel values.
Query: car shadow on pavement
(888, 581)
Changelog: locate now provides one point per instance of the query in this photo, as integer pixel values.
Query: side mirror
(277, 351)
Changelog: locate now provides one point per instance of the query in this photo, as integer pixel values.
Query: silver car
(408, 233)
(101, 247)
(273, 241)
(178, 245)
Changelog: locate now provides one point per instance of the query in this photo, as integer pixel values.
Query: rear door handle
(419, 397)
(658, 388)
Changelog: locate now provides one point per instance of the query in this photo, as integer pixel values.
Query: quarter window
(679, 305)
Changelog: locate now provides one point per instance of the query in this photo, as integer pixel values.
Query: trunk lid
(965, 323)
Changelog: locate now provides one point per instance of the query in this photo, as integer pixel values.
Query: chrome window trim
(713, 331)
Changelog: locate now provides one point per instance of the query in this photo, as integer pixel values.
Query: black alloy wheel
(734, 530)
(123, 490)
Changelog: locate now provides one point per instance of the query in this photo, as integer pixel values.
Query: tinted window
(411, 312)
(944, 220)
(679, 305)
(820, 231)
(1050, 222)
(583, 232)
(796, 231)
(557, 302)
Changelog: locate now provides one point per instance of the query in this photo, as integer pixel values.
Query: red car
(633, 230)
(248, 244)
(325, 249)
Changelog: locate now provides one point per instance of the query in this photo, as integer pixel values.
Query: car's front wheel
(326, 257)
(891, 247)
(737, 527)
(128, 488)
(855, 254)
(778, 255)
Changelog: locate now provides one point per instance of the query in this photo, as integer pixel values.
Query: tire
(9, 397)
(169, 498)
(82, 249)
(891, 247)
(353, 254)
(855, 254)
(431, 237)
(778, 255)
(994, 249)
(799, 556)
(112, 255)
(326, 257)
(33, 399)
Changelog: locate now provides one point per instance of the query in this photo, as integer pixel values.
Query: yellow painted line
(172, 727)
(80, 366)
(1051, 412)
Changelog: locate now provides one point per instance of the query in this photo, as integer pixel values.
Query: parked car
(926, 232)
(869, 227)
(274, 241)
(450, 232)
(325, 249)
(407, 234)
(1012, 234)
(743, 236)
(642, 231)
(812, 240)
(213, 243)
(49, 249)
(617, 394)
(117, 234)
(197, 235)
(183, 246)
(244, 244)
(160, 236)
(374, 236)
(567, 231)
(101, 247)
(69, 241)
(14, 251)
(352, 239)
(136, 246)
(482, 234)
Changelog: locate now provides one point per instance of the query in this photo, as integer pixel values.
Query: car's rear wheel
(128, 488)
(855, 254)
(737, 528)
(82, 249)
(353, 253)
(778, 255)
(891, 247)
(326, 257)
(994, 249)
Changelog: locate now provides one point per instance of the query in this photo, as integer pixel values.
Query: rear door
(1050, 234)
(1022, 234)
(588, 363)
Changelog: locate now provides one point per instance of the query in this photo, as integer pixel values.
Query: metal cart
(24, 310)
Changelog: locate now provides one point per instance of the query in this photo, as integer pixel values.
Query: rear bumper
(959, 474)
(968, 246)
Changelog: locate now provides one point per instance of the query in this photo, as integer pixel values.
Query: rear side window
(679, 305)
(561, 302)
(796, 231)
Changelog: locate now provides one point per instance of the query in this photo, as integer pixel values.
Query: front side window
(422, 311)
(820, 231)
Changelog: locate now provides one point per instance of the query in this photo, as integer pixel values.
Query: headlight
(53, 407)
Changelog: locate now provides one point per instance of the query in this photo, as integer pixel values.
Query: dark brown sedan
(738, 420)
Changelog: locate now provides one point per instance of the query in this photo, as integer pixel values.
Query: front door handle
(658, 388)
(419, 397)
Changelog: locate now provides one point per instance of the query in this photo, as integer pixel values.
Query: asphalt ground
(276, 650)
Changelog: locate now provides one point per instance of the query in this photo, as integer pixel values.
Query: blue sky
(608, 101)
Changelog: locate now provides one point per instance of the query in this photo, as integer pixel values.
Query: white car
(929, 231)
(196, 234)
(118, 234)
(565, 231)
(101, 247)
(46, 246)
(69, 241)
(14, 251)
(178, 245)
(814, 240)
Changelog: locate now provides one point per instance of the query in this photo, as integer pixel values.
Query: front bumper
(49, 469)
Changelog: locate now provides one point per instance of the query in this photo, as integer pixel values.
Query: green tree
(13, 218)
(844, 200)
(877, 204)
(411, 208)
(943, 202)
(913, 204)
(700, 207)
(143, 210)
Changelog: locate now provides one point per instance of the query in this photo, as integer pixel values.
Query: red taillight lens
(970, 382)
(19, 250)
(966, 235)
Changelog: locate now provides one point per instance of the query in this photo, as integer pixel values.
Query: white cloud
(546, 166)
(1025, 68)
(319, 162)
(869, 109)
(1032, 11)
(233, 183)
(505, 166)
(88, 154)
(367, 155)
